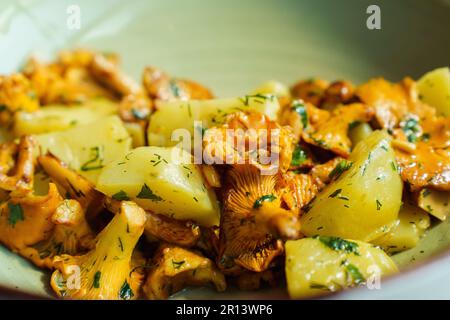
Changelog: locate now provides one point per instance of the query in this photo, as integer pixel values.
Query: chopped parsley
(262, 97)
(342, 166)
(177, 264)
(355, 274)
(97, 276)
(379, 205)
(138, 114)
(174, 88)
(411, 129)
(394, 166)
(125, 292)
(96, 161)
(15, 214)
(335, 193)
(339, 244)
(121, 243)
(120, 196)
(300, 109)
(298, 156)
(147, 193)
(425, 137)
(259, 202)
(426, 192)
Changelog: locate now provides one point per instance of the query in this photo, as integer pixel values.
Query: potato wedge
(172, 115)
(87, 148)
(154, 179)
(318, 265)
(359, 132)
(435, 202)
(434, 89)
(410, 226)
(58, 118)
(365, 200)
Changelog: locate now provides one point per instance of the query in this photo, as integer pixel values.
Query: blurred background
(234, 45)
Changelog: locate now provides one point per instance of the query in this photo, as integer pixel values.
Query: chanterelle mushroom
(106, 271)
(159, 85)
(176, 268)
(250, 138)
(26, 220)
(75, 185)
(253, 222)
(71, 235)
(16, 93)
(163, 228)
(17, 165)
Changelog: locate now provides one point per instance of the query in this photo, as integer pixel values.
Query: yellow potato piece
(434, 89)
(410, 226)
(360, 132)
(88, 148)
(173, 115)
(435, 202)
(58, 118)
(315, 266)
(160, 179)
(365, 200)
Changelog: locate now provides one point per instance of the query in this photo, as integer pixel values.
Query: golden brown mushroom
(256, 140)
(297, 190)
(311, 90)
(159, 85)
(78, 187)
(176, 268)
(26, 220)
(108, 73)
(107, 271)
(71, 235)
(330, 131)
(17, 177)
(16, 94)
(252, 222)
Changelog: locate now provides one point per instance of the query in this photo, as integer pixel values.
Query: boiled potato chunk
(173, 115)
(365, 200)
(322, 264)
(273, 87)
(57, 117)
(161, 180)
(88, 148)
(435, 202)
(410, 226)
(360, 132)
(434, 89)
(136, 132)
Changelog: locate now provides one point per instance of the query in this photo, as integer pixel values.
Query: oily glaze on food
(93, 189)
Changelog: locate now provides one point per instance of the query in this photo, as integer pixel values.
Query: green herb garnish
(120, 196)
(342, 166)
(147, 193)
(15, 213)
(125, 292)
(177, 264)
(96, 161)
(300, 109)
(97, 276)
(259, 202)
(354, 272)
(339, 244)
(298, 156)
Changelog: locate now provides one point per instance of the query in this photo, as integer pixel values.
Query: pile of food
(92, 187)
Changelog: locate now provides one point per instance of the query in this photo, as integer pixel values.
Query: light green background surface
(232, 46)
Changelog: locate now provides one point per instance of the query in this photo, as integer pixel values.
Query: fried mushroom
(175, 268)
